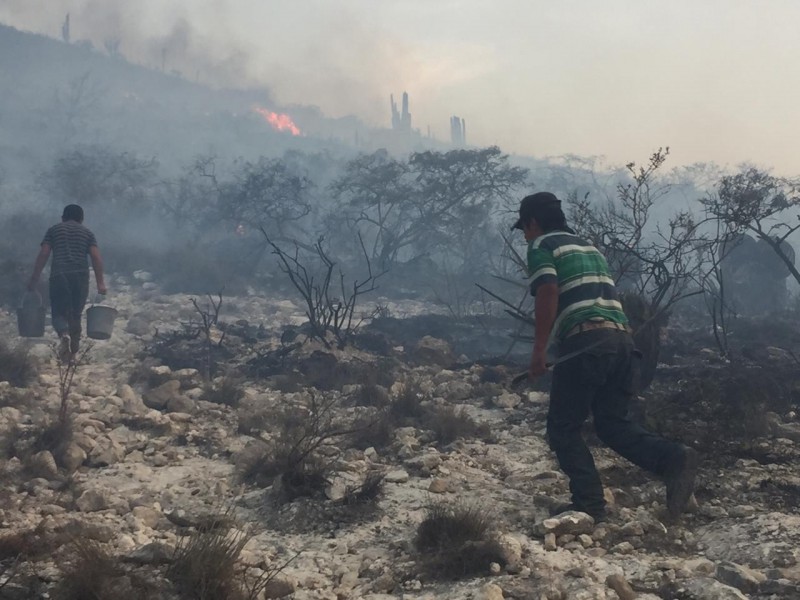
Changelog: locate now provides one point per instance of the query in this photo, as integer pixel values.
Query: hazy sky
(716, 80)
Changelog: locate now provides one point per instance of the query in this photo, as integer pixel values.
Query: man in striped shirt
(578, 308)
(70, 243)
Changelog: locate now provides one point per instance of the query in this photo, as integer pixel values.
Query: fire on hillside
(278, 121)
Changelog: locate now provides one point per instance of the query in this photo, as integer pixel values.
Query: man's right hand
(31, 285)
(102, 289)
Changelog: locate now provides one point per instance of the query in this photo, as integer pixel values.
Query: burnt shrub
(455, 541)
(368, 492)
(372, 431)
(295, 455)
(449, 424)
(89, 571)
(408, 408)
(17, 366)
(205, 565)
(145, 374)
(371, 395)
(227, 390)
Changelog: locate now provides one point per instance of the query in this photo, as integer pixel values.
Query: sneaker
(599, 516)
(63, 350)
(680, 481)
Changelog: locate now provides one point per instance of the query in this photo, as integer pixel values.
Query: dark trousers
(603, 381)
(68, 293)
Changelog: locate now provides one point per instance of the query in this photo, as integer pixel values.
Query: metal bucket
(100, 322)
(30, 316)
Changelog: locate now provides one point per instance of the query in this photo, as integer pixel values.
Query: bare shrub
(371, 395)
(367, 492)
(449, 424)
(31, 543)
(330, 307)
(91, 572)
(373, 431)
(16, 397)
(456, 541)
(207, 566)
(17, 366)
(295, 455)
(408, 407)
(145, 374)
(227, 390)
(54, 437)
(204, 566)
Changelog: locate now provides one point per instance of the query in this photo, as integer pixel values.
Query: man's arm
(545, 311)
(97, 265)
(38, 266)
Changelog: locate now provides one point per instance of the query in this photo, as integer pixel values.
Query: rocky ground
(156, 458)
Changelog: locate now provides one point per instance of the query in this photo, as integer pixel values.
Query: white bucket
(100, 322)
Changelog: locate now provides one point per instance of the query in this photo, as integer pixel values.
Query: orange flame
(279, 121)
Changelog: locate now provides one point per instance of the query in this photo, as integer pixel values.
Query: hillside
(58, 95)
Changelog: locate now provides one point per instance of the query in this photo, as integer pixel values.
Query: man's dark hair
(72, 212)
(545, 208)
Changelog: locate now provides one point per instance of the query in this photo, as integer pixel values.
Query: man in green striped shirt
(577, 308)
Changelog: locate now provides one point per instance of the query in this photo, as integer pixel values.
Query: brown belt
(591, 325)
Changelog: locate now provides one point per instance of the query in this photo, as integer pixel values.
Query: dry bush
(144, 374)
(227, 390)
(294, 455)
(449, 424)
(371, 395)
(255, 465)
(8, 441)
(493, 375)
(91, 572)
(31, 543)
(408, 407)
(16, 397)
(17, 366)
(54, 437)
(374, 431)
(204, 566)
(368, 492)
(456, 541)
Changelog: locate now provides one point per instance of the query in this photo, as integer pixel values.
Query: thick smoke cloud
(313, 52)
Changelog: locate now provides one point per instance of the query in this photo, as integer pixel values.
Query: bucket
(100, 322)
(30, 316)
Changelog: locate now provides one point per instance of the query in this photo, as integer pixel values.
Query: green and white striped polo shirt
(586, 290)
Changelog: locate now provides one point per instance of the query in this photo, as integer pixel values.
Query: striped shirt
(586, 291)
(70, 242)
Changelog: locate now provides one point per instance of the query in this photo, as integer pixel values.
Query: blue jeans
(68, 293)
(602, 380)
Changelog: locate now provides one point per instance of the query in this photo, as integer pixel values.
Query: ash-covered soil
(318, 464)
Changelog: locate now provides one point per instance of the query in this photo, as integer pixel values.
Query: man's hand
(538, 364)
(101, 289)
(32, 285)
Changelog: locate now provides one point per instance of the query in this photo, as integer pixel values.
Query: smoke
(314, 52)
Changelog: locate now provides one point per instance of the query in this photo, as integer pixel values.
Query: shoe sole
(683, 485)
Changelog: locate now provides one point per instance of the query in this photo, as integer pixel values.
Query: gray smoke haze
(304, 52)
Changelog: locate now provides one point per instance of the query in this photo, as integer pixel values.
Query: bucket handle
(31, 293)
(98, 298)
